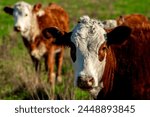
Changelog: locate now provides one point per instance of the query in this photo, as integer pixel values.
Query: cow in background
(132, 19)
(30, 21)
(109, 65)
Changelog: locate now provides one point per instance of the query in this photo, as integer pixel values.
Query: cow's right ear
(60, 37)
(8, 10)
(118, 35)
(37, 7)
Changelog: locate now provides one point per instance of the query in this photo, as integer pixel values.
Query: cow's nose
(85, 83)
(17, 28)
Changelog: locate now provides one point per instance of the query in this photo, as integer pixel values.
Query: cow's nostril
(85, 82)
(17, 28)
(90, 81)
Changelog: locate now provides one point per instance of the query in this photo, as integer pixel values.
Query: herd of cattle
(111, 58)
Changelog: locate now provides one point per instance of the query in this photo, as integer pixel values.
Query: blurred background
(17, 75)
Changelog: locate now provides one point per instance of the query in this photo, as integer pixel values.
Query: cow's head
(109, 24)
(24, 16)
(88, 42)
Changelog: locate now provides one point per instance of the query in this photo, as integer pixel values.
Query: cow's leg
(37, 66)
(35, 61)
(59, 61)
(45, 63)
(51, 74)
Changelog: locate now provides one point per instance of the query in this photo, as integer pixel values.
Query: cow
(30, 21)
(109, 24)
(132, 19)
(109, 65)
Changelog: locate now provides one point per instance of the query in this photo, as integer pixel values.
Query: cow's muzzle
(85, 83)
(17, 28)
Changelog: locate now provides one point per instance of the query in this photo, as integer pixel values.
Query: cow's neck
(109, 71)
(33, 32)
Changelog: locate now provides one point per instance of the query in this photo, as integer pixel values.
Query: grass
(17, 76)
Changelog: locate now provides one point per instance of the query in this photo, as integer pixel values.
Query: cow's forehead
(88, 31)
(22, 6)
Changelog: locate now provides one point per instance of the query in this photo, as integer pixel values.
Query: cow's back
(132, 19)
(54, 16)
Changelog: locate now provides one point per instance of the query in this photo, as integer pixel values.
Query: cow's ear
(37, 7)
(52, 32)
(118, 35)
(8, 10)
(60, 37)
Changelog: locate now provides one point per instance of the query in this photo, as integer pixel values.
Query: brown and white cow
(132, 19)
(30, 21)
(112, 65)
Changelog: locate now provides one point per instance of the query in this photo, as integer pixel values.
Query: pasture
(17, 75)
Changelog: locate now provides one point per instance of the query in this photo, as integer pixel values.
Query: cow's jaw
(88, 36)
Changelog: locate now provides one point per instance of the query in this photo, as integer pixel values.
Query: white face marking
(26, 20)
(88, 36)
(109, 24)
(23, 15)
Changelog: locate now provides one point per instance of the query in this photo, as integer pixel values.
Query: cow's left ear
(8, 10)
(61, 37)
(118, 35)
(37, 7)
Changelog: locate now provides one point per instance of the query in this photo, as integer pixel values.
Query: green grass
(16, 70)
(132, 6)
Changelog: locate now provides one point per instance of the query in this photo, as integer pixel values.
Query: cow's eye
(102, 51)
(73, 52)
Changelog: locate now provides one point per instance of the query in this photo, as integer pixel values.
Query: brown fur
(128, 65)
(110, 67)
(132, 19)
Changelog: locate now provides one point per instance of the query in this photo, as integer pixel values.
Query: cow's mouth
(19, 30)
(86, 88)
(24, 31)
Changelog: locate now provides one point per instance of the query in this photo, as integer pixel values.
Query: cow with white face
(22, 16)
(89, 43)
(25, 20)
(109, 24)
(30, 21)
(87, 37)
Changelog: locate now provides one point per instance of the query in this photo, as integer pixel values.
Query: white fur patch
(40, 13)
(26, 20)
(109, 24)
(57, 51)
(88, 36)
(39, 51)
